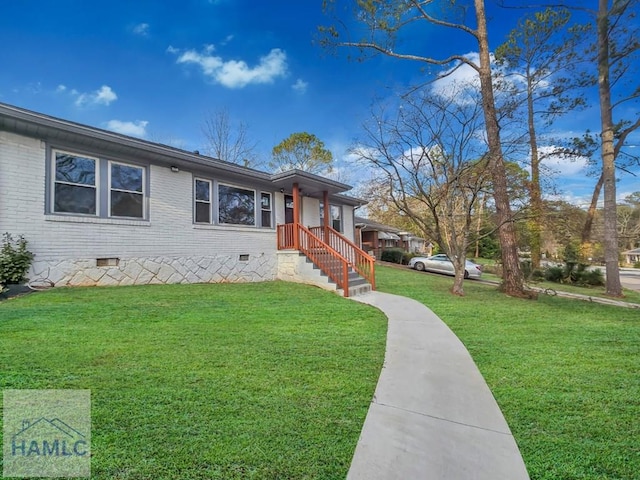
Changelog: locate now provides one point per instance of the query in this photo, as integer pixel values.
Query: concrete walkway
(432, 416)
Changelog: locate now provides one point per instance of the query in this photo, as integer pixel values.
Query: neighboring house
(374, 237)
(100, 208)
(632, 256)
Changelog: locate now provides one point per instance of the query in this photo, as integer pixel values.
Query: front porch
(336, 257)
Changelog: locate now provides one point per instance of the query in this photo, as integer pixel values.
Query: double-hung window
(75, 188)
(126, 189)
(336, 217)
(85, 185)
(203, 201)
(265, 208)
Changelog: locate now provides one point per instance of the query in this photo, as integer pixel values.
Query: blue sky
(154, 69)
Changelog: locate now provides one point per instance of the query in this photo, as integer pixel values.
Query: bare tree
(385, 20)
(228, 142)
(433, 164)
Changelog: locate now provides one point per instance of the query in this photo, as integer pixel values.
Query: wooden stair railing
(326, 258)
(358, 259)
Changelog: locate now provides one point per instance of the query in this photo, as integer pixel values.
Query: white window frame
(110, 188)
(96, 186)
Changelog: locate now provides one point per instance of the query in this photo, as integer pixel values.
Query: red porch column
(327, 214)
(296, 215)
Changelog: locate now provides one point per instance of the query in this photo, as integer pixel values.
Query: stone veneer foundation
(156, 270)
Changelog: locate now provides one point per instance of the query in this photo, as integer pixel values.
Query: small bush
(593, 278)
(554, 274)
(537, 275)
(406, 256)
(15, 260)
(393, 255)
(636, 265)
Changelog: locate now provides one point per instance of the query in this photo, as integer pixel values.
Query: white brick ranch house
(100, 208)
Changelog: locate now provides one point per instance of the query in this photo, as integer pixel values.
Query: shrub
(393, 255)
(537, 275)
(406, 256)
(554, 274)
(15, 260)
(593, 277)
(636, 265)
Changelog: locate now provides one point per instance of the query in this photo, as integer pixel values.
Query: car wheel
(419, 266)
(466, 274)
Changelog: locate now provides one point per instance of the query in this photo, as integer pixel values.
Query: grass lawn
(630, 296)
(252, 381)
(566, 373)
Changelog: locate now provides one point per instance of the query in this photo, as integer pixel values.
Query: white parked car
(441, 264)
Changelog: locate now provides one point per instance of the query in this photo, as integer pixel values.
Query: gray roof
(58, 131)
(368, 225)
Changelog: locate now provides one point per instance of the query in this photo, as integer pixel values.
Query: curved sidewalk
(432, 415)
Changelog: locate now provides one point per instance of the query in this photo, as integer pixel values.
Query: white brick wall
(169, 232)
(168, 248)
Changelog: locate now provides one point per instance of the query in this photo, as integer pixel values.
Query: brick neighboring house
(374, 237)
(100, 208)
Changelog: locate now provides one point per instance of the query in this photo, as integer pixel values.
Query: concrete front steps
(294, 266)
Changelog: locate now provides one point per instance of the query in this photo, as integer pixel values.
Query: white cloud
(172, 49)
(237, 73)
(61, 88)
(103, 96)
(561, 164)
(141, 29)
(300, 86)
(134, 129)
(457, 79)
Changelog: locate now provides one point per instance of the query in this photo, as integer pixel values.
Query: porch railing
(358, 259)
(311, 241)
(327, 259)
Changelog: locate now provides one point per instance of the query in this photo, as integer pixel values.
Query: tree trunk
(535, 227)
(591, 213)
(458, 280)
(613, 286)
(513, 280)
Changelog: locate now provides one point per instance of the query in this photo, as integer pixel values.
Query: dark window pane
(203, 214)
(266, 218)
(125, 204)
(236, 205)
(74, 199)
(74, 169)
(125, 177)
(203, 191)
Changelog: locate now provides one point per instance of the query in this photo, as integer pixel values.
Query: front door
(288, 209)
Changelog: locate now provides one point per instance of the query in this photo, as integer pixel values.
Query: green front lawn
(566, 373)
(263, 381)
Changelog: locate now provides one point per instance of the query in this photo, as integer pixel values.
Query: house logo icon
(43, 437)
